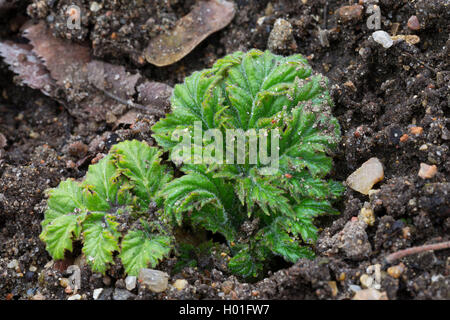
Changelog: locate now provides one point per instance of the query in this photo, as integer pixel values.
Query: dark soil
(379, 95)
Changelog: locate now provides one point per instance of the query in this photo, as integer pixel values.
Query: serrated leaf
(101, 186)
(59, 234)
(100, 241)
(66, 198)
(141, 164)
(210, 199)
(244, 265)
(140, 250)
(314, 208)
(257, 90)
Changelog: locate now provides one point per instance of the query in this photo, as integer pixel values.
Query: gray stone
(154, 280)
(383, 38)
(122, 294)
(130, 282)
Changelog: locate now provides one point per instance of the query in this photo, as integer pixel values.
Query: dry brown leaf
(94, 88)
(128, 118)
(205, 18)
(30, 69)
(61, 57)
(112, 78)
(155, 94)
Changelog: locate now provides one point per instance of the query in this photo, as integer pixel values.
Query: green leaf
(208, 200)
(141, 164)
(244, 264)
(100, 241)
(60, 233)
(101, 185)
(140, 250)
(97, 206)
(67, 198)
(256, 90)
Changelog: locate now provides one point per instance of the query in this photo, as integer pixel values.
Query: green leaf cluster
(109, 209)
(129, 202)
(260, 214)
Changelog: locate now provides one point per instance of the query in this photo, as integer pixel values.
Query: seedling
(109, 211)
(129, 203)
(260, 212)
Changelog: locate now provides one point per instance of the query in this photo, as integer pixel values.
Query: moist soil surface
(392, 104)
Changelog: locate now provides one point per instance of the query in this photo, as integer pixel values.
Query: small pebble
(416, 130)
(413, 23)
(38, 296)
(370, 294)
(122, 294)
(348, 13)
(78, 149)
(180, 284)
(366, 281)
(227, 286)
(334, 289)
(95, 7)
(366, 176)
(130, 282)
(409, 38)
(396, 271)
(426, 171)
(97, 293)
(74, 297)
(281, 37)
(154, 280)
(13, 264)
(354, 288)
(383, 38)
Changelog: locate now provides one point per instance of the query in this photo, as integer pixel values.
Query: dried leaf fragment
(363, 179)
(410, 39)
(112, 78)
(61, 57)
(23, 62)
(205, 18)
(155, 94)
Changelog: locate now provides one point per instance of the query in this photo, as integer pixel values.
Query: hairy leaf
(101, 209)
(271, 102)
(140, 250)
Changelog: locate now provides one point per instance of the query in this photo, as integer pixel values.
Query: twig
(131, 104)
(418, 61)
(414, 250)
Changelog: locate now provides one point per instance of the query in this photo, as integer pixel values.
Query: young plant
(109, 211)
(261, 210)
(267, 101)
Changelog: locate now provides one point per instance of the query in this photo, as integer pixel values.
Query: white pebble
(97, 293)
(383, 38)
(130, 282)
